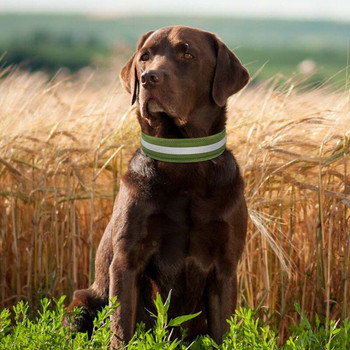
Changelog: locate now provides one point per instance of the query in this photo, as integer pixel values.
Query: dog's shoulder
(142, 174)
(225, 171)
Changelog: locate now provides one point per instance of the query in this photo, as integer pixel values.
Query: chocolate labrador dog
(179, 221)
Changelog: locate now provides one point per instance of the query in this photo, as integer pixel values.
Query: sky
(324, 9)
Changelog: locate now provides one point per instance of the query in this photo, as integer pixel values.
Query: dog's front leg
(132, 249)
(220, 301)
(123, 284)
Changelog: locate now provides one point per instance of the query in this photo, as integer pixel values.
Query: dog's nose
(151, 77)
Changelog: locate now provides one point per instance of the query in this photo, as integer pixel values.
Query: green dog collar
(184, 150)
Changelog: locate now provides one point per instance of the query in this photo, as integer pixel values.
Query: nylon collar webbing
(184, 150)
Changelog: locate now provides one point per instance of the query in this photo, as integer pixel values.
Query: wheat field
(65, 143)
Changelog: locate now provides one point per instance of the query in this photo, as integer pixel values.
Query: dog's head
(178, 71)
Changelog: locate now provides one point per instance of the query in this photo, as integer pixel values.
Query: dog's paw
(83, 321)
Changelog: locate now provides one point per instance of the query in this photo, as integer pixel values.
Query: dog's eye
(145, 57)
(188, 56)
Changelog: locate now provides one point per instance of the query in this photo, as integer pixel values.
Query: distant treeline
(49, 42)
(47, 51)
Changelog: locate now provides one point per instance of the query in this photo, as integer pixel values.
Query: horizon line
(105, 15)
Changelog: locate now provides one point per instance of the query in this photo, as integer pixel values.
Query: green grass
(45, 331)
(234, 31)
(49, 42)
(284, 61)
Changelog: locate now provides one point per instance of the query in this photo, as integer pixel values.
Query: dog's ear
(230, 76)
(128, 74)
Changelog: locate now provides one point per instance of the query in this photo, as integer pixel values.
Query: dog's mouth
(153, 108)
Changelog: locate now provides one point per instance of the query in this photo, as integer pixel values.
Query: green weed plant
(21, 330)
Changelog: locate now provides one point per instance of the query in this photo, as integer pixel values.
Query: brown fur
(178, 227)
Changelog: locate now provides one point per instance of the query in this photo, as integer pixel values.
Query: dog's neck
(190, 175)
(200, 123)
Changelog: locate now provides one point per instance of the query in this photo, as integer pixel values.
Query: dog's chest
(188, 232)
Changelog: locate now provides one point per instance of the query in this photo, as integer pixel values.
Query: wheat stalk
(64, 145)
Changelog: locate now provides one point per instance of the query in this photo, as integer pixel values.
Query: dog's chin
(155, 107)
(152, 109)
